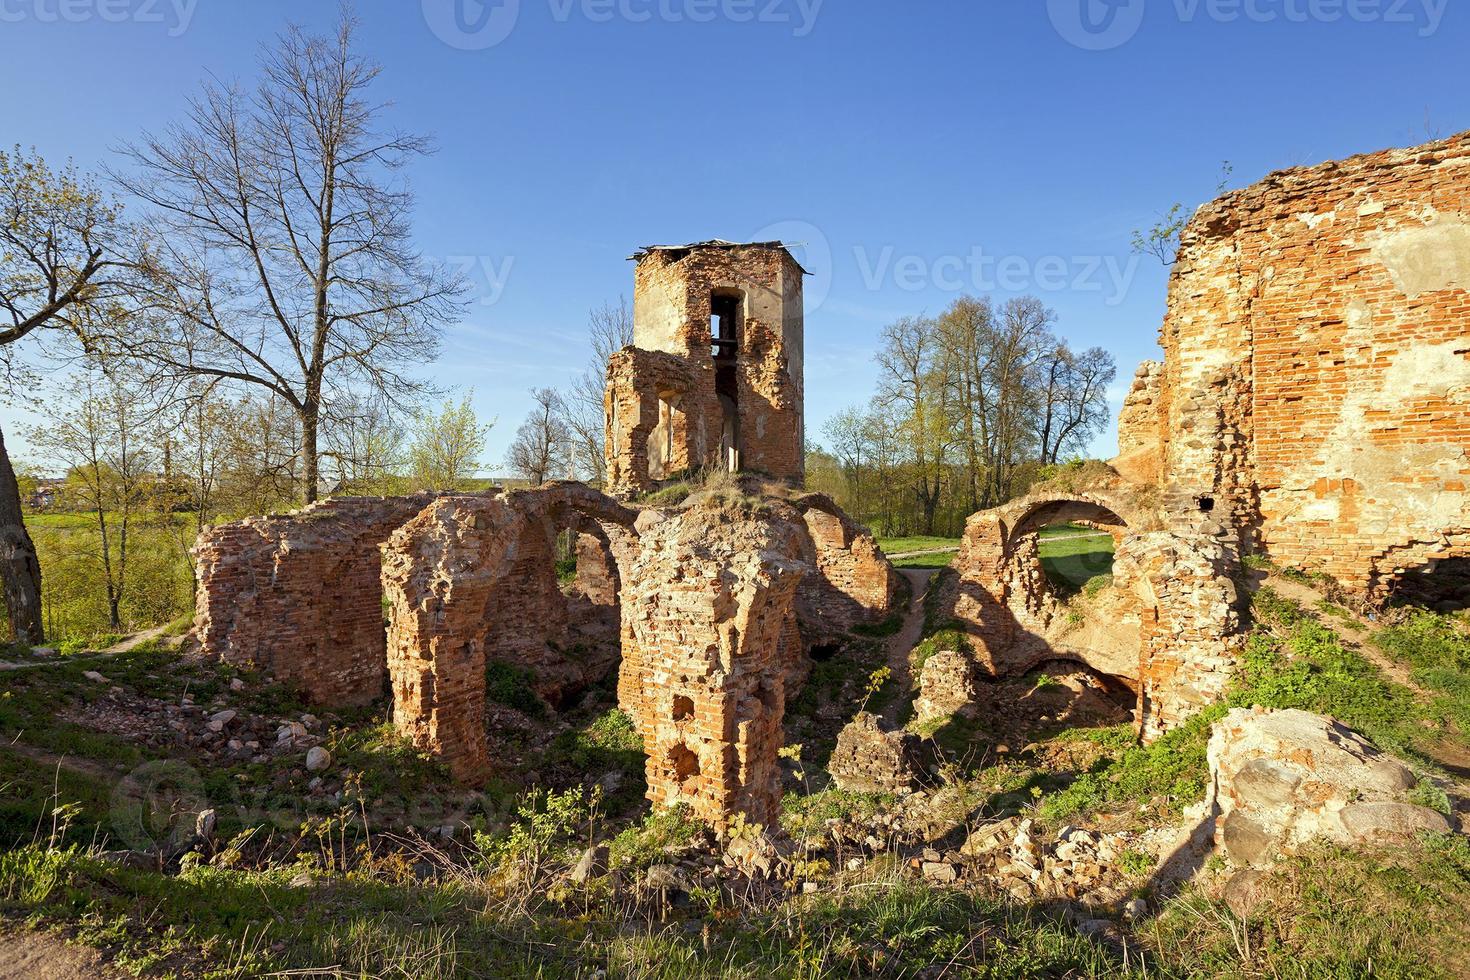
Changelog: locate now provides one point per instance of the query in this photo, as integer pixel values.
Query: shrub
(510, 685)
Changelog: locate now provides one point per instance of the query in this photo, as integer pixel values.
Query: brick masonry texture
(663, 407)
(1316, 380)
(298, 597)
(1168, 626)
(708, 606)
(471, 581)
(732, 594)
(1313, 403)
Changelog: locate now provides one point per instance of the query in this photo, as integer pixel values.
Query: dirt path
(902, 642)
(37, 955)
(134, 641)
(1354, 630)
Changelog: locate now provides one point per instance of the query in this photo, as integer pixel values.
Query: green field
(932, 552)
(1071, 561)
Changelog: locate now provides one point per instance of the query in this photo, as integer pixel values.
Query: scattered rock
(1244, 891)
(204, 825)
(94, 676)
(317, 758)
(940, 872)
(236, 684)
(290, 732)
(141, 860)
(592, 864)
(220, 719)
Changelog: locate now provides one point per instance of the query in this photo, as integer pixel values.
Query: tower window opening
(724, 321)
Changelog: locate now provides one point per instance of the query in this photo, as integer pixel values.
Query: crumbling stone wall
(1140, 436)
(440, 574)
(649, 433)
(1190, 624)
(664, 409)
(471, 581)
(706, 605)
(1000, 594)
(1315, 399)
(297, 595)
(853, 583)
(1172, 630)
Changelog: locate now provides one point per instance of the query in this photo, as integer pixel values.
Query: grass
(381, 922)
(923, 552)
(1336, 912)
(1071, 562)
(1290, 661)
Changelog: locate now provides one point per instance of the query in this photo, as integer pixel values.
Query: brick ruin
(1314, 397)
(709, 610)
(709, 630)
(713, 380)
(297, 595)
(470, 582)
(1313, 406)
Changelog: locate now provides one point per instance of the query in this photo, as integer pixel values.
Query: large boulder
(1281, 778)
(870, 760)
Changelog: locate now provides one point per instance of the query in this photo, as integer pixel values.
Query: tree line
(972, 407)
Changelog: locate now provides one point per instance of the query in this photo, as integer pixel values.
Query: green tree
(103, 441)
(56, 232)
(447, 446)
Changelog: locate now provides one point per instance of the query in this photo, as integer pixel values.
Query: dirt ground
(38, 956)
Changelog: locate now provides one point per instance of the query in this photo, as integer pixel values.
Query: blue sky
(895, 139)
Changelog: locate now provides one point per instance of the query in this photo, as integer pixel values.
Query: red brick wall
(298, 595)
(1317, 380)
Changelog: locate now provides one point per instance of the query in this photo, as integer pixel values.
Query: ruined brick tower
(714, 377)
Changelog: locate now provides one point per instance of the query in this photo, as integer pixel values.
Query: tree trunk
(18, 563)
(309, 463)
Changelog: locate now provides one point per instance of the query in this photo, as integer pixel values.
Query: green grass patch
(1071, 562)
(511, 685)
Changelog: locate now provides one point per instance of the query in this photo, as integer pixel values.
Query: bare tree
(55, 273)
(362, 442)
(539, 451)
(1074, 390)
(610, 329)
(282, 257)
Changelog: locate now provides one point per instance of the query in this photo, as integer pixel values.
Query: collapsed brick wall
(853, 583)
(708, 608)
(298, 596)
(1140, 438)
(1190, 623)
(440, 571)
(1169, 625)
(1316, 391)
(649, 436)
(471, 582)
(1000, 595)
(663, 407)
